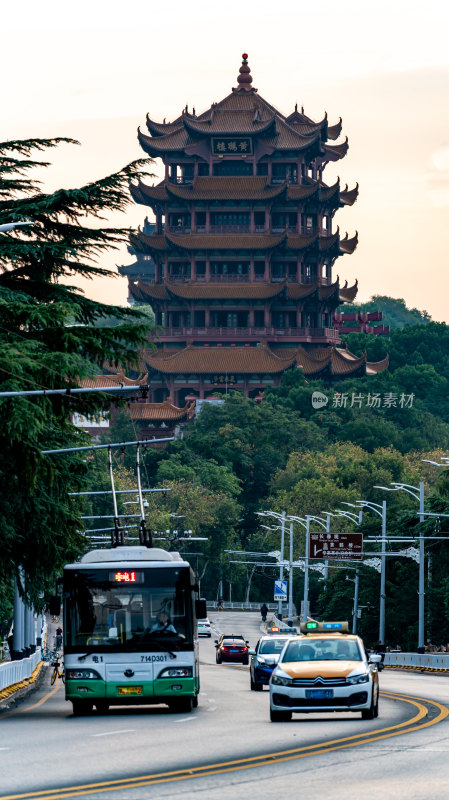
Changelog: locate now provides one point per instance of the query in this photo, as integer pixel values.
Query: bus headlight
(82, 675)
(364, 678)
(176, 672)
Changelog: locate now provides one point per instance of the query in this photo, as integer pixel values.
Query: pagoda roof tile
(348, 197)
(116, 379)
(336, 151)
(349, 293)
(223, 241)
(251, 187)
(225, 290)
(261, 359)
(206, 360)
(348, 245)
(163, 128)
(161, 411)
(229, 122)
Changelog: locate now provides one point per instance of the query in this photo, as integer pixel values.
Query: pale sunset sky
(92, 70)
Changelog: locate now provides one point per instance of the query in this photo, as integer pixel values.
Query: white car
(204, 627)
(324, 671)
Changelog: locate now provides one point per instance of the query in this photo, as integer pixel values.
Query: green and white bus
(130, 630)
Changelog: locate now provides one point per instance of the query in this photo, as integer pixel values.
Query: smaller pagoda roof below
(165, 411)
(118, 379)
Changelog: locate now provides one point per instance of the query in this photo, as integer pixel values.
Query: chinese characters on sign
(374, 400)
(342, 546)
(227, 145)
(229, 379)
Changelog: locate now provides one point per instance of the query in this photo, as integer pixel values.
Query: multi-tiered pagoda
(244, 247)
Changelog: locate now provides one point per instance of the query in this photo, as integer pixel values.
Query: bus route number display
(126, 576)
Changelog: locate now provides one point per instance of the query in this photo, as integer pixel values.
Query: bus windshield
(128, 610)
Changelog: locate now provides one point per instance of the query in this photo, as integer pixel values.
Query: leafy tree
(394, 311)
(50, 338)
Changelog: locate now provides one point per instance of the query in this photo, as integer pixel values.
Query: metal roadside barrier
(427, 662)
(279, 623)
(15, 675)
(212, 605)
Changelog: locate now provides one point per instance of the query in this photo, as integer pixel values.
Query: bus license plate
(130, 689)
(319, 694)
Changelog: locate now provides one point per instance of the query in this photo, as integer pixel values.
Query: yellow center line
(253, 761)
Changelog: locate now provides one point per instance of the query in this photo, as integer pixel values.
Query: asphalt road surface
(227, 746)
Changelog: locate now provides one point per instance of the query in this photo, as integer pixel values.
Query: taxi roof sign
(312, 626)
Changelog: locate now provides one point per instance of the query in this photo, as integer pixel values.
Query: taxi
(325, 669)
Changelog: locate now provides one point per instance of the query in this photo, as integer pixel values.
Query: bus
(130, 630)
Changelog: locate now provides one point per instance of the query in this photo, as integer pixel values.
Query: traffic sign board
(340, 546)
(280, 590)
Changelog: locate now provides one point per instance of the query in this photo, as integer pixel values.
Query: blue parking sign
(280, 590)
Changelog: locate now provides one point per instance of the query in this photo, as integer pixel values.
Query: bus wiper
(166, 650)
(81, 658)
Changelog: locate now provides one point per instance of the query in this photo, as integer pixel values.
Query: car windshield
(323, 650)
(271, 646)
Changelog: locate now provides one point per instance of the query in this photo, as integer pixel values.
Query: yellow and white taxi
(325, 669)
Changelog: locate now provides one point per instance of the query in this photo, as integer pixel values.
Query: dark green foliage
(394, 311)
(50, 338)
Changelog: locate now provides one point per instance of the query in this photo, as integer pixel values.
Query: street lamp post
(418, 494)
(381, 510)
(281, 517)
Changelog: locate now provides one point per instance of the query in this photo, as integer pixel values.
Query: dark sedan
(232, 649)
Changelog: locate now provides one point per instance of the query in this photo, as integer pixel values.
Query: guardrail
(212, 605)
(437, 662)
(13, 672)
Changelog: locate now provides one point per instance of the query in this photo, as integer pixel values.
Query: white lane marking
(212, 708)
(187, 719)
(5, 748)
(211, 700)
(111, 733)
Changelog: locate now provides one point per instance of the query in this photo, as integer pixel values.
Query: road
(43, 747)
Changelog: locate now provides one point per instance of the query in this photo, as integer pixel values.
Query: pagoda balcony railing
(283, 229)
(234, 278)
(179, 228)
(229, 278)
(255, 332)
(181, 179)
(279, 180)
(230, 228)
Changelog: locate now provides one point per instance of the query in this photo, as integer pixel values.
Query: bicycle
(49, 655)
(57, 671)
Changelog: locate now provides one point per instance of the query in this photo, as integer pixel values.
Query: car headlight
(176, 672)
(279, 680)
(364, 678)
(82, 675)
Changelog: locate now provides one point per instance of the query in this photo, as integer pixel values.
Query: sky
(92, 70)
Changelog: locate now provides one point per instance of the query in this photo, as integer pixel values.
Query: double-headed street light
(418, 494)
(381, 510)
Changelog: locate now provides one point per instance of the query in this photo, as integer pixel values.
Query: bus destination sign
(126, 576)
